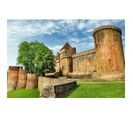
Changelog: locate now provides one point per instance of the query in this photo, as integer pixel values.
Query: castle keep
(105, 61)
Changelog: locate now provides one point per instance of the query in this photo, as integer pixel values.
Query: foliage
(35, 57)
(23, 93)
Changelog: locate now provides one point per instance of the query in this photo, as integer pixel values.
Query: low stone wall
(80, 75)
(118, 75)
(46, 81)
(51, 88)
(115, 75)
(62, 88)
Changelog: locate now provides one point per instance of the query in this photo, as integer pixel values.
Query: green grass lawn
(85, 89)
(97, 90)
(23, 93)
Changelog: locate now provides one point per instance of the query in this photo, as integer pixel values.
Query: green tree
(36, 58)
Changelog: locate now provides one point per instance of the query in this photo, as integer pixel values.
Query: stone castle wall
(18, 78)
(13, 75)
(83, 62)
(109, 51)
(32, 81)
(50, 87)
(64, 61)
(106, 58)
(22, 78)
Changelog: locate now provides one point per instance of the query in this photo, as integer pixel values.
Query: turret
(109, 49)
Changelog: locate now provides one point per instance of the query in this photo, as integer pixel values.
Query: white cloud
(90, 30)
(56, 48)
(24, 29)
(96, 23)
(66, 25)
(76, 40)
(81, 25)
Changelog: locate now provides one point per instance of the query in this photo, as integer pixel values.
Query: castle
(105, 61)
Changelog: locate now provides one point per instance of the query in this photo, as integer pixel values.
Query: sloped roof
(66, 45)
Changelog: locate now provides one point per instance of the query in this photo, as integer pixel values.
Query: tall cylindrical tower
(109, 49)
(13, 75)
(22, 78)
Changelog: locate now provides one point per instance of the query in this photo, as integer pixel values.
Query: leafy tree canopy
(35, 57)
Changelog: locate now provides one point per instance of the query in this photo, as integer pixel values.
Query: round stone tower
(22, 78)
(13, 76)
(109, 56)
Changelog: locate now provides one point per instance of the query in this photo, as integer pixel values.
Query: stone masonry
(54, 87)
(105, 61)
(18, 78)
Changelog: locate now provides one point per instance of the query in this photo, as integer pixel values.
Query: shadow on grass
(66, 94)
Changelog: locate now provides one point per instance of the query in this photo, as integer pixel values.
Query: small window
(109, 61)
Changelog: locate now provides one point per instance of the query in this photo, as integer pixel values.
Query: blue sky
(55, 33)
